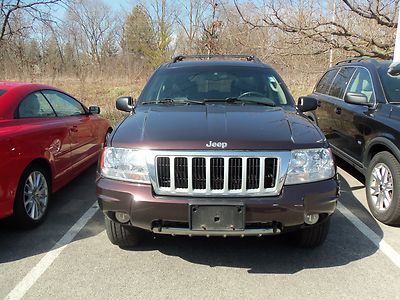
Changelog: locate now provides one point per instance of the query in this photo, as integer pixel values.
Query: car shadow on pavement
(276, 255)
(66, 207)
(269, 255)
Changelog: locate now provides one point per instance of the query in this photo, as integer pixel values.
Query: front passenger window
(362, 84)
(64, 105)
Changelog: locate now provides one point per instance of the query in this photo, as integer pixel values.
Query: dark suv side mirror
(358, 99)
(307, 104)
(125, 103)
(394, 69)
(94, 110)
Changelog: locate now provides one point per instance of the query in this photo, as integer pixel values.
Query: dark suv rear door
(329, 117)
(336, 97)
(323, 113)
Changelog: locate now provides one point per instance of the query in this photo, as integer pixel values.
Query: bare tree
(12, 10)
(364, 28)
(212, 28)
(190, 20)
(96, 25)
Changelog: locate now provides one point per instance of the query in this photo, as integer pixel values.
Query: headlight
(310, 165)
(125, 164)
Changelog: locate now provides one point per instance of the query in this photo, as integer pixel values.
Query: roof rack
(354, 59)
(210, 56)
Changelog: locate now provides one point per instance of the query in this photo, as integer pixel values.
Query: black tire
(21, 218)
(390, 216)
(123, 236)
(312, 236)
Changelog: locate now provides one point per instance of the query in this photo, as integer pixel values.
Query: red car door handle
(338, 110)
(74, 128)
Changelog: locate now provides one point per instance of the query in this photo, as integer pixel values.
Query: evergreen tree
(139, 38)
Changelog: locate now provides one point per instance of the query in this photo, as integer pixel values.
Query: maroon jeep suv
(215, 146)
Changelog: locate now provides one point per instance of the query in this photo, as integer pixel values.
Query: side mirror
(307, 104)
(357, 99)
(94, 110)
(394, 69)
(125, 103)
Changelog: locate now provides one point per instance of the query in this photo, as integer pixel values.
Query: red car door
(37, 121)
(82, 130)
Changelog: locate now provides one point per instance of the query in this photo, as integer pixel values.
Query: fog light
(311, 219)
(122, 217)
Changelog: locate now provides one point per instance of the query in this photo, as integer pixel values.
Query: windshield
(391, 85)
(217, 83)
(2, 92)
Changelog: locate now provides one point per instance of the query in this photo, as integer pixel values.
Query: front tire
(32, 198)
(382, 188)
(312, 236)
(120, 235)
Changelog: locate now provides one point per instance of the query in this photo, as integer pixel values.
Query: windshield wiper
(238, 100)
(172, 101)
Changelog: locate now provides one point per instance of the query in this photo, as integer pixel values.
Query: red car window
(63, 104)
(35, 105)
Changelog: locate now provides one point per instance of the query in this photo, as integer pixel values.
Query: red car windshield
(2, 92)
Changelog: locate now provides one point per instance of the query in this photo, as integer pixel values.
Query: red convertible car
(47, 138)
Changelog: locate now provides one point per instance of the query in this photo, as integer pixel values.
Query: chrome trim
(242, 233)
(283, 158)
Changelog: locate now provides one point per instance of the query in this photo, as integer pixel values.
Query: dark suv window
(325, 83)
(391, 84)
(362, 84)
(260, 84)
(341, 81)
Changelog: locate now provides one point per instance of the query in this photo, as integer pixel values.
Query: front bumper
(171, 215)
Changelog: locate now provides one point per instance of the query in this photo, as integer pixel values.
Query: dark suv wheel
(382, 185)
(122, 235)
(311, 236)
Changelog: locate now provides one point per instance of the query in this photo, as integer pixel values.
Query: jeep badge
(212, 144)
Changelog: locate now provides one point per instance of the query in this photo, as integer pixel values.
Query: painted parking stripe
(371, 235)
(37, 271)
(34, 274)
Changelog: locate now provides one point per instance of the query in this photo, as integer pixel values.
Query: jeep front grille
(195, 175)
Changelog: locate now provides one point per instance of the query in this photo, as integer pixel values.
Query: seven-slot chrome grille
(240, 173)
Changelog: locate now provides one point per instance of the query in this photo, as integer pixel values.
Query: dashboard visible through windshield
(212, 83)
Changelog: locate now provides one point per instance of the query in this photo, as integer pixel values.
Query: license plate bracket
(217, 217)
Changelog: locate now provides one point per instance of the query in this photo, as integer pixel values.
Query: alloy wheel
(381, 187)
(36, 195)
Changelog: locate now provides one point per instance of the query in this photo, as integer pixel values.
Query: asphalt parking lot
(70, 256)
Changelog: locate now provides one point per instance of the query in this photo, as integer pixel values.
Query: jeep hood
(191, 127)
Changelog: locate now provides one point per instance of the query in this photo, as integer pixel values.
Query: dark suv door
(329, 115)
(323, 115)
